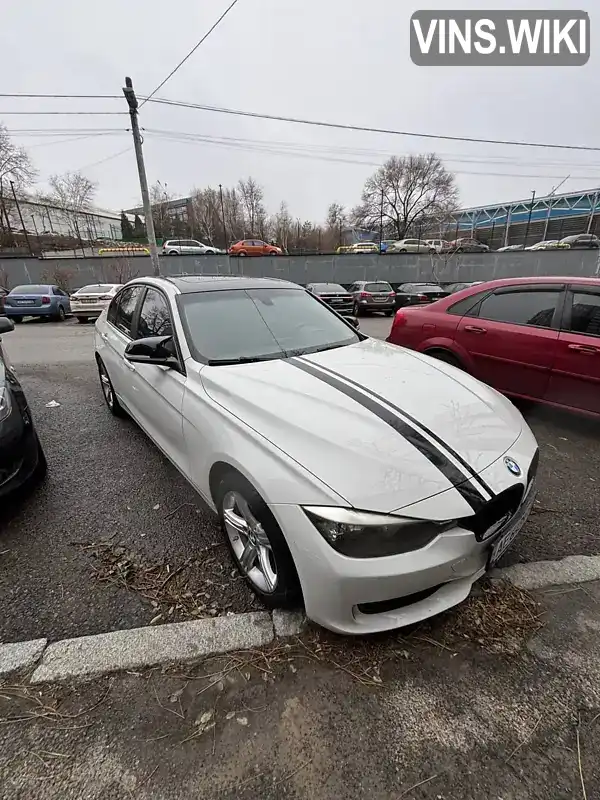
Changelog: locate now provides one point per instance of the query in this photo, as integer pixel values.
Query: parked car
(582, 240)
(22, 459)
(386, 244)
(342, 249)
(416, 294)
(364, 247)
(458, 287)
(3, 293)
(37, 300)
(439, 245)
(254, 247)
(469, 246)
(534, 338)
(372, 296)
(334, 295)
(510, 248)
(90, 301)
(338, 466)
(185, 247)
(411, 246)
(548, 244)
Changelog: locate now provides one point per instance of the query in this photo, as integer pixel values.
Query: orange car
(254, 247)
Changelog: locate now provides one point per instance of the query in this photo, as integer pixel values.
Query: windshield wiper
(224, 362)
(301, 351)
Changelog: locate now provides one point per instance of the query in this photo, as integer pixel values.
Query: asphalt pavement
(115, 538)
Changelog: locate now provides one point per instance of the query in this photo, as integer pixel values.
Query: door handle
(129, 365)
(104, 337)
(475, 329)
(584, 348)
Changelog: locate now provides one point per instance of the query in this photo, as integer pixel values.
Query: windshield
(233, 326)
(30, 289)
(378, 287)
(95, 289)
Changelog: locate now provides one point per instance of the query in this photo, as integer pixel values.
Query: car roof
(188, 284)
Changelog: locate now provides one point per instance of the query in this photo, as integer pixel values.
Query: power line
(66, 96)
(192, 51)
(323, 157)
(60, 113)
(104, 160)
(364, 128)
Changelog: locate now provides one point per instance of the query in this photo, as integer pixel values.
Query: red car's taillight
(106, 297)
(45, 300)
(399, 321)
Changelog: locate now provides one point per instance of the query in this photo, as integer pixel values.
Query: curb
(89, 657)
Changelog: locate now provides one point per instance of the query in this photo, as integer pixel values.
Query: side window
(155, 318)
(466, 305)
(124, 309)
(521, 308)
(585, 314)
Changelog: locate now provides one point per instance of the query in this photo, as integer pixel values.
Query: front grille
(495, 514)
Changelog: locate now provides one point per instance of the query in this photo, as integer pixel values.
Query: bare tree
(334, 222)
(281, 225)
(119, 270)
(205, 214)
(252, 195)
(59, 276)
(161, 215)
(407, 192)
(73, 194)
(15, 164)
(4, 283)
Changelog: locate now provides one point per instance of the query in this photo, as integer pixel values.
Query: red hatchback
(535, 338)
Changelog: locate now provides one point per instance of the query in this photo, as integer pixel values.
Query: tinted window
(260, 323)
(155, 319)
(378, 287)
(466, 304)
(30, 289)
(521, 308)
(97, 288)
(123, 307)
(585, 316)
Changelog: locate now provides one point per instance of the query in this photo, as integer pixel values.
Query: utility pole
(12, 186)
(529, 218)
(381, 221)
(137, 143)
(223, 218)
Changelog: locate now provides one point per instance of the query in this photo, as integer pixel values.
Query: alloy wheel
(107, 389)
(250, 543)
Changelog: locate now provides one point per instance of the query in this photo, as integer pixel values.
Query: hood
(348, 446)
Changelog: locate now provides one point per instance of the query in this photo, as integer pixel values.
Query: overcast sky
(335, 60)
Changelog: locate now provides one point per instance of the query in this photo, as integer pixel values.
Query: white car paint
(302, 432)
(184, 247)
(87, 303)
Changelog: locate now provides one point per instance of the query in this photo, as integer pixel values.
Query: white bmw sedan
(373, 483)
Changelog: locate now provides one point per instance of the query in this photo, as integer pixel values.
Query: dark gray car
(582, 240)
(334, 295)
(372, 296)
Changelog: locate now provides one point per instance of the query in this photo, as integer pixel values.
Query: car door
(511, 337)
(575, 376)
(116, 335)
(157, 391)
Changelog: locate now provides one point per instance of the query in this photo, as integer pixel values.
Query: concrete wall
(398, 268)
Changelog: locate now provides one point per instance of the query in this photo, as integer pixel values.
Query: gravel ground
(116, 538)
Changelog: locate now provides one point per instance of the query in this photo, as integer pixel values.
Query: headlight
(5, 404)
(361, 534)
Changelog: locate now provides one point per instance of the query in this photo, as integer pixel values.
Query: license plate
(504, 541)
(87, 300)
(26, 302)
(379, 299)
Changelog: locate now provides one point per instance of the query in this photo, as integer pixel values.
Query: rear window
(327, 287)
(30, 289)
(378, 287)
(96, 289)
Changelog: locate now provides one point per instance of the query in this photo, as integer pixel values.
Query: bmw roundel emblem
(512, 466)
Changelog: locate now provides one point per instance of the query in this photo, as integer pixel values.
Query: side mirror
(158, 350)
(6, 325)
(353, 321)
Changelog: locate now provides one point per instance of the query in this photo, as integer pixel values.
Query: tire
(173, 253)
(446, 357)
(432, 250)
(356, 310)
(459, 250)
(402, 250)
(108, 392)
(17, 320)
(242, 254)
(82, 320)
(39, 472)
(270, 571)
(60, 314)
(389, 313)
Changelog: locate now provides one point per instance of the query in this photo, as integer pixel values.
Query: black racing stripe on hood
(466, 466)
(426, 448)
